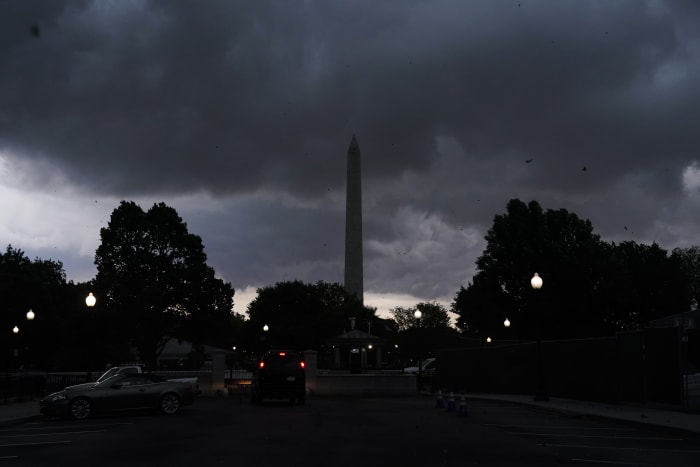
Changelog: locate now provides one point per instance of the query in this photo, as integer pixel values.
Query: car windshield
(107, 374)
(281, 362)
(109, 381)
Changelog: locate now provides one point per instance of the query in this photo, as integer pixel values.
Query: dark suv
(280, 375)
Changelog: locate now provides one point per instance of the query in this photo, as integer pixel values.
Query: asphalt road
(344, 432)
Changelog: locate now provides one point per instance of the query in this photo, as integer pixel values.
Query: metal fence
(691, 392)
(21, 387)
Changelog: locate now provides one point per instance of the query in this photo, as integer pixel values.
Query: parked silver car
(118, 393)
(427, 368)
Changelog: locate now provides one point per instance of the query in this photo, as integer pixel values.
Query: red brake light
(262, 364)
(302, 364)
(282, 354)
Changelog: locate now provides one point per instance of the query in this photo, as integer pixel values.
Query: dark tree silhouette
(39, 285)
(590, 287)
(155, 283)
(302, 316)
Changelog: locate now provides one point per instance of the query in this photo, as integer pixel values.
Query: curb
(19, 420)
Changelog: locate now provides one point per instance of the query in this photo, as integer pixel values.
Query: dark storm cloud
(232, 96)
(448, 98)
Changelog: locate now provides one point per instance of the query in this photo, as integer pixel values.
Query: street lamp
(541, 395)
(506, 323)
(28, 348)
(15, 353)
(264, 340)
(418, 315)
(90, 301)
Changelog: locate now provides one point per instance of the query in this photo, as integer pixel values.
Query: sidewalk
(673, 419)
(14, 413)
(19, 412)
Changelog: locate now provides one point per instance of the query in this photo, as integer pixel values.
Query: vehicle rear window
(284, 362)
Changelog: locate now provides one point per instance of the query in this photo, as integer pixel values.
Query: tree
(39, 285)
(556, 244)
(591, 288)
(421, 337)
(689, 261)
(303, 316)
(641, 283)
(434, 315)
(154, 282)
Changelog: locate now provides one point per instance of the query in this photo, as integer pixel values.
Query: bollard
(439, 403)
(451, 402)
(462, 406)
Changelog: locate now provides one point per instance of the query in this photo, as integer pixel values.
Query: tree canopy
(590, 287)
(419, 338)
(302, 316)
(434, 315)
(155, 282)
(39, 285)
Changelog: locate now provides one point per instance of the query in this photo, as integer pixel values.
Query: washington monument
(353, 223)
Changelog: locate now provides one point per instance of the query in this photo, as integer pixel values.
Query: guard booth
(357, 351)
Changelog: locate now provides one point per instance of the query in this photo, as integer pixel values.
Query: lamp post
(266, 331)
(28, 347)
(24, 352)
(418, 315)
(15, 350)
(90, 301)
(541, 395)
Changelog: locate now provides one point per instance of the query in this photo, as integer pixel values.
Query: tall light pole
(15, 351)
(541, 394)
(28, 344)
(266, 332)
(418, 315)
(90, 301)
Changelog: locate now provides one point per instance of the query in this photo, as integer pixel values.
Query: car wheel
(169, 403)
(80, 408)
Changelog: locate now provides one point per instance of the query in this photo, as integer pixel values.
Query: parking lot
(344, 431)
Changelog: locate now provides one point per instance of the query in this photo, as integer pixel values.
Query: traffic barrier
(439, 403)
(451, 403)
(462, 412)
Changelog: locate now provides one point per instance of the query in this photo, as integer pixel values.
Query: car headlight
(57, 396)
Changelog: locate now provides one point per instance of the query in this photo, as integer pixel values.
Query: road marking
(47, 443)
(564, 435)
(57, 433)
(583, 446)
(58, 427)
(596, 461)
(559, 427)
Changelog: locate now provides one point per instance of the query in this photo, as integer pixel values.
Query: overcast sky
(238, 114)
